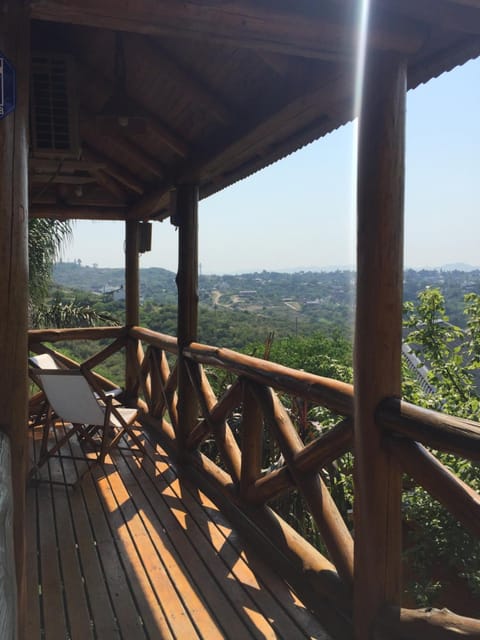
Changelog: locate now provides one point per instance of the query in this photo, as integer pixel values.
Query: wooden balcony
(137, 551)
(149, 547)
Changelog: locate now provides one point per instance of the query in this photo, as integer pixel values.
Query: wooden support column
(132, 299)
(15, 45)
(378, 334)
(185, 216)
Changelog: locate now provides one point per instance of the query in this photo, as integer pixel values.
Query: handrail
(434, 429)
(332, 394)
(154, 338)
(83, 333)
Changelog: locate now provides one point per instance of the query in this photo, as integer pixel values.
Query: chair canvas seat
(47, 362)
(127, 414)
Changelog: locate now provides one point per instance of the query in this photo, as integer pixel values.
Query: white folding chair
(73, 400)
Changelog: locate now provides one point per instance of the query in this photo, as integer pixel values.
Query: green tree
(45, 240)
(452, 357)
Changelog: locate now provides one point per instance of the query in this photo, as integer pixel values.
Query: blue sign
(7, 87)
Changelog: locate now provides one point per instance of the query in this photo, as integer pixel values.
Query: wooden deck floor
(137, 552)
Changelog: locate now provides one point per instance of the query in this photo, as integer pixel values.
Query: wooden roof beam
(151, 204)
(139, 157)
(153, 53)
(111, 185)
(311, 30)
(121, 174)
(94, 78)
(59, 212)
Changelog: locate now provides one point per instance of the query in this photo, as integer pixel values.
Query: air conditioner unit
(53, 107)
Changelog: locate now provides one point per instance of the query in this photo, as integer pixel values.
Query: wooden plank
(116, 573)
(309, 573)
(103, 613)
(304, 32)
(53, 613)
(53, 623)
(219, 594)
(134, 547)
(378, 336)
(218, 534)
(75, 597)
(268, 580)
(171, 617)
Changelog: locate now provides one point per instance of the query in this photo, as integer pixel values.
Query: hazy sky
(299, 213)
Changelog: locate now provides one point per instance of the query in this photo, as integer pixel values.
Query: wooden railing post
(132, 300)
(15, 45)
(132, 274)
(185, 217)
(378, 335)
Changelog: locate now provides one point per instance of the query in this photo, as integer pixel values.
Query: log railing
(251, 410)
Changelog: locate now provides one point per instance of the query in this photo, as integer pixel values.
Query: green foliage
(452, 356)
(68, 314)
(45, 239)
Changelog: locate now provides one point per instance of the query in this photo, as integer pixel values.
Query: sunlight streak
(363, 21)
(363, 25)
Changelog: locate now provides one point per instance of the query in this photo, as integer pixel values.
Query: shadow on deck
(138, 552)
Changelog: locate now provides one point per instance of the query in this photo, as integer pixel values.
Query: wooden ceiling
(224, 88)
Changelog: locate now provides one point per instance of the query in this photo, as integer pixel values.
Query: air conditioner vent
(54, 110)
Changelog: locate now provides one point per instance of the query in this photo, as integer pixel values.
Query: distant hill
(458, 266)
(305, 294)
(155, 281)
